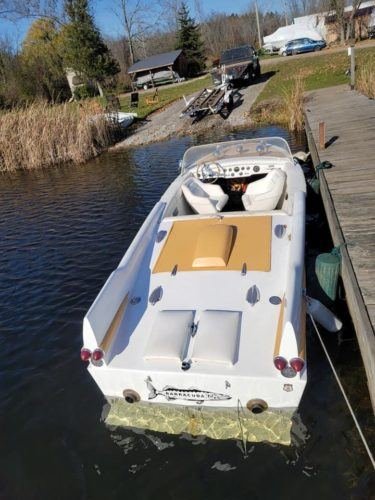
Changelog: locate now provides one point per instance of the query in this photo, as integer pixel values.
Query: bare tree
(135, 18)
(344, 23)
(356, 4)
(169, 10)
(14, 10)
(297, 8)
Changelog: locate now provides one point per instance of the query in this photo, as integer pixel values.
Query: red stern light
(297, 364)
(85, 354)
(280, 362)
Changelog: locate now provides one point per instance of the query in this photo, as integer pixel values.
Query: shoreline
(166, 123)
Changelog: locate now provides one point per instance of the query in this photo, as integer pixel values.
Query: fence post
(351, 51)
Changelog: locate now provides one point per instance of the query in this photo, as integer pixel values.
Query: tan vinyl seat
(204, 198)
(265, 193)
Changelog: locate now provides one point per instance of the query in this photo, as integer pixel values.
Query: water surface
(62, 231)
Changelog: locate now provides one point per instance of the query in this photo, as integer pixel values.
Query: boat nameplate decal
(192, 394)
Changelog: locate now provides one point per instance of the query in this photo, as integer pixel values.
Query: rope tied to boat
(244, 440)
(364, 441)
(324, 165)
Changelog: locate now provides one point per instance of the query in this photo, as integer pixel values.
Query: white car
(282, 51)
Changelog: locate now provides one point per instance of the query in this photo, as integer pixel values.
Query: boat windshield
(268, 147)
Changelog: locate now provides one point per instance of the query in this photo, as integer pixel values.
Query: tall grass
(42, 135)
(323, 70)
(286, 110)
(293, 103)
(366, 79)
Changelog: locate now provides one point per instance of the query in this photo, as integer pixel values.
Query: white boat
(121, 118)
(118, 118)
(206, 307)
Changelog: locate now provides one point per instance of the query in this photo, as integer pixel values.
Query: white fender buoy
(322, 315)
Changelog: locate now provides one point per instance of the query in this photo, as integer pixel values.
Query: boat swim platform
(348, 193)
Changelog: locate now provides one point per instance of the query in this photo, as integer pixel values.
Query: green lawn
(318, 71)
(166, 94)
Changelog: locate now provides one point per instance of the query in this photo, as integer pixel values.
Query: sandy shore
(167, 123)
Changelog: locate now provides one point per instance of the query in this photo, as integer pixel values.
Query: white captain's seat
(265, 193)
(204, 198)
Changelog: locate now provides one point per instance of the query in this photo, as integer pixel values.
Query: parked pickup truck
(239, 66)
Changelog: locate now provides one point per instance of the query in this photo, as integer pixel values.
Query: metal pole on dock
(351, 51)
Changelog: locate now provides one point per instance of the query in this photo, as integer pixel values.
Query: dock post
(322, 135)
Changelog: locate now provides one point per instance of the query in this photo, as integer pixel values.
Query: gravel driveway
(167, 122)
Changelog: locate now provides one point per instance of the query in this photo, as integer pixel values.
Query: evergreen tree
(189, 40)
(84, 49)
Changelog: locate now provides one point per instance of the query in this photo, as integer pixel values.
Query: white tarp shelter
(286, 33)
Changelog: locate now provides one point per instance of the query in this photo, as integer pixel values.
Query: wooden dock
(348, 192)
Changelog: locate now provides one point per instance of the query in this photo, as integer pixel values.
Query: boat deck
(210, 295)
(228, 243)
(348, 191)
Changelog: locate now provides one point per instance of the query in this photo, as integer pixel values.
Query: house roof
(157, 61)
(362, 11)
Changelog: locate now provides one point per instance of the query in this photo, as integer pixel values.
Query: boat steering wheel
(210, 171)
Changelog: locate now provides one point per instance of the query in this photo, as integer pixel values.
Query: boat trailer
(210, 100)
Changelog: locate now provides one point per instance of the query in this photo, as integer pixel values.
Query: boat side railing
(99, 319)
(292, 318)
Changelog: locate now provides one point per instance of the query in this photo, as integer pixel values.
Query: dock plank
(348, 192)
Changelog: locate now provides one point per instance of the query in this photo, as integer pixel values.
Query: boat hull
(273, 426)
(216, 390)
(207, 310)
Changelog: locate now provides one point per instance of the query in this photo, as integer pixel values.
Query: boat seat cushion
(265, 193)
(204, 198)
(168, 336)
(217, 338)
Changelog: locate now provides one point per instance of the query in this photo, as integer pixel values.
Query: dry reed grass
(293, 103)
(366, 79)
(287, 110)
(42, 135)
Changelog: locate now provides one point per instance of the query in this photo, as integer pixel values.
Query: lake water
(62, 231)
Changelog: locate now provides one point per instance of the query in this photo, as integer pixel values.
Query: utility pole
(258, 25)
(286, 13)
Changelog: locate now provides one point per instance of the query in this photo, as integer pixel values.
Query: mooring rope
(344, 395)
(244, 441)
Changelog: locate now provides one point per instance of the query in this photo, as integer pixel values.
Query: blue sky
(109, 24)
